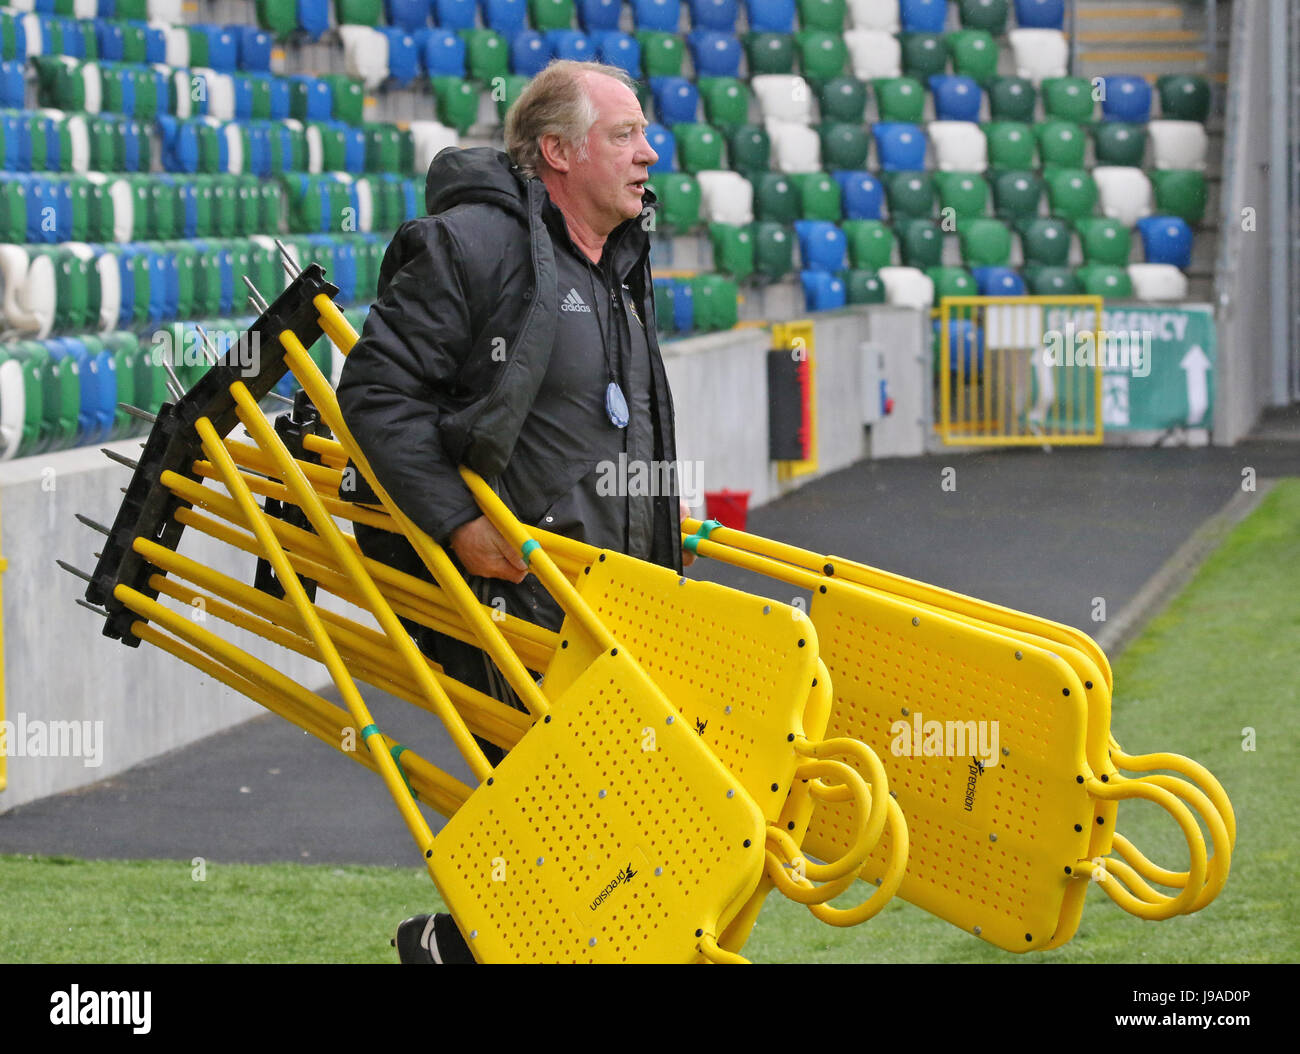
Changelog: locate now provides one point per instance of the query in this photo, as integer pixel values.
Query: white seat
(907, 287)
(105, 265)
(726, 197)
(85, 8)
(22, 5)
(783, 97)
(79, 136)
(365, 205)
(795, 147)
(178, 46)
(959, 146)
(29, 291)
(93, 86)
(119, 192)
(13, 407)
(315, 148)
(1039, 53)
(365, 54)
(1123, 193)
(183, 84)
(32, 29)
(166, 10)
(431, 138)
(873, 53)
(234, 148)
(1178, 144)
(874, 14)
(221, 94)
(1157, 281)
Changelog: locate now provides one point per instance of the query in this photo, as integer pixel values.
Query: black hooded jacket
(454, 351)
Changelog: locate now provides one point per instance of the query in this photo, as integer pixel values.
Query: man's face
(611, 181)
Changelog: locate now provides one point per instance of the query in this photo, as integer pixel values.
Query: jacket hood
(480, 174)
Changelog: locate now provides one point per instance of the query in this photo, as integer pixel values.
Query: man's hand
(684, 514)
(484, 552)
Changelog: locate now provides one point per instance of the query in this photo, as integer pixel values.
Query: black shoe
(431, 939)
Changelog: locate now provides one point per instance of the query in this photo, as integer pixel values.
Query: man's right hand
(484, 552)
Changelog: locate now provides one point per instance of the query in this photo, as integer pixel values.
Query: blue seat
(822, 291)
(354, 150)
(659, 15)
(923, 16)
(1040, 14)
(570, 44)
(998, 281)
(1127, 99)
(683, 305)
(135, 146)
(715, 14)
(529, 53)
(155, 44)
(17, 143)
(188, 196)
(956, 98)
(223, 49)
(966, 344)
(253, 46)
(13, 90)
(444, 53)
(594, 15)
(313, 17)
(619, 49)
(258, 160)
(677, 100)
(170, 276)
(243, 99)
(1167, 240)
(714, 53)
(101, 385)
(280, 102)
(861, 195)
(663, 143)
(226, 270)
(403, 61)
(506, 17)
(900, 146)
(74, 44)
(108, 40)
(72, 351)
(180, 144)
(409, 15)
(455, 14)
(822, 245)
(770, 16)
(40, 196)
(345, 271)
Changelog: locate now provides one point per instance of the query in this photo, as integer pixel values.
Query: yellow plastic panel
(989, 846)
(535, 865)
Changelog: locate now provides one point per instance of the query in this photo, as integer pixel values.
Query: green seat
(843, 99)
(486, 54)
(920, 243)
(699, 147)
(1104, 241)
(551, 14)
(1180, 192)
(1117, 143)
(988, 15)
(225, 207)
(819, 196)
(13, 211)
(733, 249)
(726, 102)
(198, 47)
(382, 150)
(31, 358)
(80, 194)
(349, 96)
(1012, 99)
(924, 54)
(1045, 242)
(1061, 144)
(822, 56)
(1105, 280)
(679, 202)
(61, 402)
(505, 90)
(665, 297)
(951, 281)
(162, 211)
(826, 15)
(900, 99)
(965, 193)
(750, 150)
(1052, 281)
(1071, 193)
(359, 12)
(661, 53)
(985, 243)
(974, 54)
(776, 198)
(911, 195)
(186, 267)
(717, 302)
(1069, 99)
(135, 41)
(870, 244)
(457, 102)
(1011, 145)
(863, 287)
(773, 249)
(1184, 97)
(1017, 195)
(767, 53)
(334, 145)
(844, 146)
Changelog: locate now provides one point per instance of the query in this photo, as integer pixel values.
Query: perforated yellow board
(994, 824)
(586, 847)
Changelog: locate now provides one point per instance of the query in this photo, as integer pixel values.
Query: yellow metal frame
(994, 425)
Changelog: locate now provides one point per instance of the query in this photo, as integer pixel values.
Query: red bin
(728, 507)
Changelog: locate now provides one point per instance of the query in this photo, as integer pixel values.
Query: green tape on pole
(397, 750)
(707, 527)
(528, 547)
(368, 731)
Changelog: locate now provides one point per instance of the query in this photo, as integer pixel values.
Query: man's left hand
(684, 513)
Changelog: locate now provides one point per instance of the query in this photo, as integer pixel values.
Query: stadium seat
(825, 15)
(1068, 99)
(1106, 281)
(411, 15)
(1039, 54)
(910, 194)
(870, 243)
(776, 198)
(863, 287)
(965, 193)
(1104, 241)
(1010, 145)
(1180, 192)
(900, 99)
(1045, 242)
(956, 98)
(1178, 144)
(486, 54)
(959, 146)
(1072, 192)
(843, 99)
(822, 56)
(726, 102)
(680, 200)
(569, 44)
(873, 54)
(717, 15)
(985, 243)
(899, 147)
(529, 54)
(920, 243)
(844, 146)
(974, 54)
(773, 249)
(822, 246)
(782, 98)
(822, 291)
(1117, 143)
(656, 15)
(1017, 195)
(923, 16)
(1126, 98)
(861, 195)
(1166, 240)
(1053, 281)
(907, 287)
(699, 147)
(444, 54)
(663, 143)
(1183, 97)
(1061, 144)
(924, 55)
(618, 49)
(770, 16)
(429, 138)
(1157, 281)
(726, 197)
(677, 100)
(819, 197)
(597, 15)
(1012, 99)
(313, 17)
(998, 281)
(1124, 193)
(769, 53)
(988, 15)
(1041, 14)
(874, 14)
(714, 54)
(795, 147)
(749, 149)
(546, 14)
(951, 281)
(733, 250)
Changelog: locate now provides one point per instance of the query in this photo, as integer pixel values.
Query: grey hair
(555, 102)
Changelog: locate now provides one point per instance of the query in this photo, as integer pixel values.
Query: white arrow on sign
(1197, 366)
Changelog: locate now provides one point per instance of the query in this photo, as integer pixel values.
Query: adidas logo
(573, 302)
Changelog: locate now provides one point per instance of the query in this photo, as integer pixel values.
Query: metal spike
(259, 301)
(112, 455)
(290, 264)
(209, 348)
(135, 411)
(278, 398)
(99, 556)
(173, 382)
(94, 526)
(91, 607)
(73, 570)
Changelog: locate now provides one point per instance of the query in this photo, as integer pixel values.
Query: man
(514, 333)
